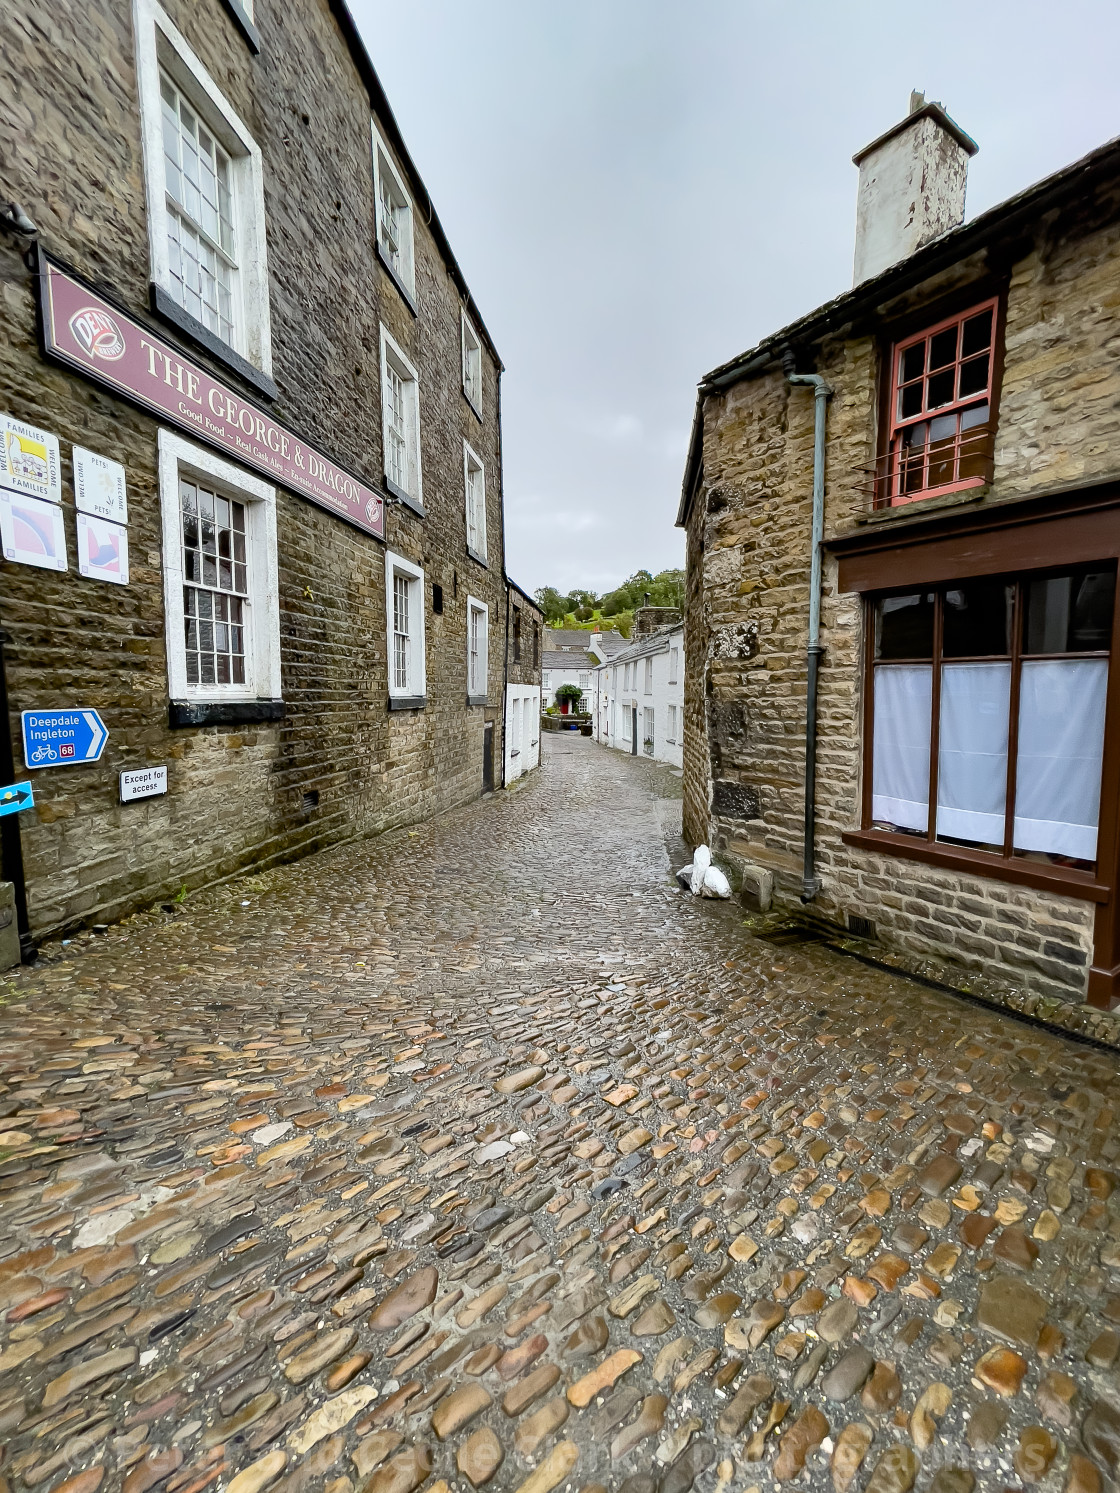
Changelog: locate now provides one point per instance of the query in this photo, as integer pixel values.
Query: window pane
(913, 362)
(975, 444)
(943, 349)
(972, 760)
(940, 389)
(942, 450)
(977, 619)
(1069, 613)
(977, 333)
(974, 376)
(910, 401)
(1058, 767)
(900, 764)
(904, 626)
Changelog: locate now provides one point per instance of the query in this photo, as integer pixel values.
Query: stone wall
(340, 764)
(748, 531)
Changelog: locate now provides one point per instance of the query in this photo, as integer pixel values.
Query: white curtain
(1058, 767)
(972, 755)
(900, 772)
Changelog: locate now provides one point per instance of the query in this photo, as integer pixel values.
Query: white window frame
(178, 457)
(476, 523)
(546, 679)
(671, 728)
(472, 365)
(583, 681)
(385, 174)
(649, 677)
(480, 674)
(393, 357)
(648, 719)
(160, 46)
(415, 688)
(674, 665)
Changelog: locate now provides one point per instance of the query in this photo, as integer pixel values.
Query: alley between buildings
(480, 1154)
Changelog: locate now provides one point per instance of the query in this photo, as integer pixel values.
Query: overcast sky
(637, 190)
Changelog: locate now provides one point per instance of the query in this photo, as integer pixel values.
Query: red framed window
(941, 404)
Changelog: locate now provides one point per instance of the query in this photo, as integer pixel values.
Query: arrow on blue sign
(16, 798)
(62, 738)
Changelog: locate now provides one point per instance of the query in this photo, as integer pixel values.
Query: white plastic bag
(684, 877)
(701, 860)
(716, 884)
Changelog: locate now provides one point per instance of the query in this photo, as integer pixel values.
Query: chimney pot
(911, 187)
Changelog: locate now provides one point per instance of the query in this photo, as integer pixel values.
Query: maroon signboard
(87, 333)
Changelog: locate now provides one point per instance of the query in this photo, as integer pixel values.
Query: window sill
(481, 560)
(478, 699)
(182, 713)
(407, 702)
(1078, 884)
(406, 295)
(404, 497)
(170, 311)
(248, 30)
(473, 407)
(936, 499)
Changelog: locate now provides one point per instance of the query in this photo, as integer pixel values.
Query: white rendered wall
(911, 190)
(523, 729)
(611, 719)
(557, 677)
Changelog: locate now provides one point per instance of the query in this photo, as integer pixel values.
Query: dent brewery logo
(98, 334)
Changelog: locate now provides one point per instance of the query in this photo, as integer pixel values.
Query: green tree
(552, 604)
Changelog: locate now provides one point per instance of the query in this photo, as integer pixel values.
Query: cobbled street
(480, 1154)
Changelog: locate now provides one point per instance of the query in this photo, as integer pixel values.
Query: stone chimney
(648, 619)
(911, 187)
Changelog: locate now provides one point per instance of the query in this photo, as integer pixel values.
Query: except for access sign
(62, 738)
(143, 782)
(15, 798)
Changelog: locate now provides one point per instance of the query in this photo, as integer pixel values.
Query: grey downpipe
(810, 881)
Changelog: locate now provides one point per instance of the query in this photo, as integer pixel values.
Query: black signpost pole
(11, 845)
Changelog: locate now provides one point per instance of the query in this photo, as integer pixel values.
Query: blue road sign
(62, 738)
(15, 798)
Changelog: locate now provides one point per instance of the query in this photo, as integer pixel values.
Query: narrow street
(479, 1154)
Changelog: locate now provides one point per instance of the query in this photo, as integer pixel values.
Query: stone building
(251, 494)
(966, 488)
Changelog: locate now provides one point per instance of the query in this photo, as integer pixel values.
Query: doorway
(488, 757)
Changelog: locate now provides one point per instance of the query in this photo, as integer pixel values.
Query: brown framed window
(941, 394)
(987, 713)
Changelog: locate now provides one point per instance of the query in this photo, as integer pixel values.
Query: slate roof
(654, 642)
(551, 658)
(572, 638)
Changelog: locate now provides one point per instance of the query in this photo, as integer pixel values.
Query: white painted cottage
(571, 656)
(638, 696)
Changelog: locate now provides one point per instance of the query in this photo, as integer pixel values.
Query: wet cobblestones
(480, 1156)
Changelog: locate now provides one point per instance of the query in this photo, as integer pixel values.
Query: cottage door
(633, 730)
(488, 757)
